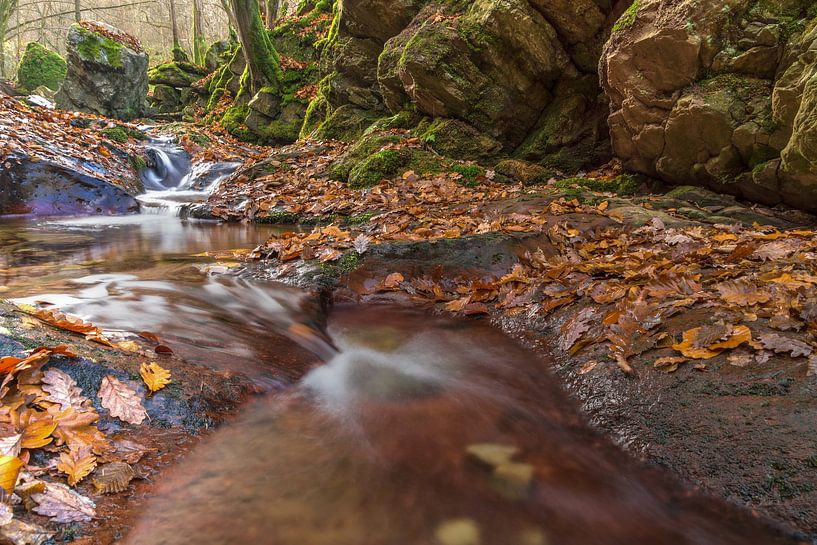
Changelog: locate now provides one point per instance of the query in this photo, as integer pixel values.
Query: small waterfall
(173, 181)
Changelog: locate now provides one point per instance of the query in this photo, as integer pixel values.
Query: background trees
(199, 22)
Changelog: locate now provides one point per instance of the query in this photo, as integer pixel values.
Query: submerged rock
(107, 73)
(45, 188)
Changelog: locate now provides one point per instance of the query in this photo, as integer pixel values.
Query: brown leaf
(113, 478)
(785, 345)
(77, 464)
(23, 533)
(742, 293)
(688, 349)
(63, 504)
(63, 390)
(669, 364)
(121, 400)
(576, 327)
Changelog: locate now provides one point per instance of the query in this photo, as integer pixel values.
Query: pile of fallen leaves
(59, 137)
(48, 432)
(113, 34)
(757, 287)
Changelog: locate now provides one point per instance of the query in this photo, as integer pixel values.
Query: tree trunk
(174, 25)
(199, 40)
(7, 9)
(78, 10)
(263, 65)
(273, 6)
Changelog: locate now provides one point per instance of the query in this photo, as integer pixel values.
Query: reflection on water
(373, 448)
(148, 273)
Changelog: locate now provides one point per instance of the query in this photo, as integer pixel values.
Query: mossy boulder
(165, 99)
(384, 155)
(454, 138)
(40, 67)
(218, 53)
(107, 73)
(176, 74)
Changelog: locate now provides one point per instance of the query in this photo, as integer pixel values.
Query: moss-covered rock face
(717, 97)
(489, 67)
(41, 67)
(105, 76)
(383, 155)
(176, 74)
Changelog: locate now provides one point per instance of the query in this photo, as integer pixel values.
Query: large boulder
(721, 98)
(505, 68)
(34, 186)
(40, 67)
(107, 72)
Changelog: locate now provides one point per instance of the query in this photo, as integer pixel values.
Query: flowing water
(401, 429)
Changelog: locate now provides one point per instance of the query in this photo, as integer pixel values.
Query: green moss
(97, 48)
(138, 162)
(361, 219)
(628, 18)
(623, 185)
(40, 66)
(279, 218)
(376, 167)
(233, 122)
(469, 173)
(345, 265)
(116, 134)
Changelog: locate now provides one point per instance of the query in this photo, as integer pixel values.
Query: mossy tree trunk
(199, 40)
(174, 26)
(7, 9)
(263, 64)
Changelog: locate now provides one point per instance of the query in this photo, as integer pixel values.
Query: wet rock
(462, 531)
(43, 187)
(105, 76)
(717, 98)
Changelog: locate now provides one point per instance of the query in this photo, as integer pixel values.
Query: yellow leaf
(38, 433)
(740, 334)
(9, 470)
(155, 376)
(688, 349)
(77, 464)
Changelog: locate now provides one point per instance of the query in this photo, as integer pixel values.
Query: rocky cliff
(718, 94)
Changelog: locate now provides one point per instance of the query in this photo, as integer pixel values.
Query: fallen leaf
(121, 400)
(393, 281)
(669, 364)
(9, 470)
(785, 345)
(113, 478)
(11, 445)
(63, 504)
(742, 293)
(24, 533)
(688, 349)
(77, 464)
(63, 390)
(155, 376)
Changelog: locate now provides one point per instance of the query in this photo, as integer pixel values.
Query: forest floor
(685, 322)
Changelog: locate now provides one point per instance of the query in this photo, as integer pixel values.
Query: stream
(394, 427)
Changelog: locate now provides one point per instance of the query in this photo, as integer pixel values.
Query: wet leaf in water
(121, 400)
(63, 504)
(155, 376)
(113, 478)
